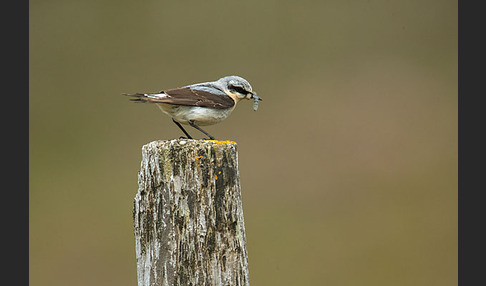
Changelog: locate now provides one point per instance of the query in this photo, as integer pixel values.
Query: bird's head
(238, 88)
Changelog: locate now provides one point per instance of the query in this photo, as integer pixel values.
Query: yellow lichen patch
(216, 177)
(222, 142)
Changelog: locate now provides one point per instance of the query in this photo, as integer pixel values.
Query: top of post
(188, 143)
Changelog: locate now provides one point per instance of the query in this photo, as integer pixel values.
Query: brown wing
(191, 97)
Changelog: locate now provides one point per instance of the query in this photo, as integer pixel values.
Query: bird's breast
(201, 116)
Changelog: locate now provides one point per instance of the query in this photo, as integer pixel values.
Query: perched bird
(201, 104)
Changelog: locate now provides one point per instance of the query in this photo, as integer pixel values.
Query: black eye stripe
(239, 89)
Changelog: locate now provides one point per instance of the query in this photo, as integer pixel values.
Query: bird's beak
(254, 96)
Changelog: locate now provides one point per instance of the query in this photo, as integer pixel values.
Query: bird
(201, 104)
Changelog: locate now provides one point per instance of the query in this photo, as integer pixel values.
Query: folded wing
(186, 96)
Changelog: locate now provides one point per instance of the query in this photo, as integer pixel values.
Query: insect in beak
(255, 98)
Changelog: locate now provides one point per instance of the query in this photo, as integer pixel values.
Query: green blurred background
(348, 169)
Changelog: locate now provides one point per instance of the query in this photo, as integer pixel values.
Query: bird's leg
(199, 128)
(183, 130)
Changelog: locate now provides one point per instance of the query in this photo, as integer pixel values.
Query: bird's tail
(142, 97)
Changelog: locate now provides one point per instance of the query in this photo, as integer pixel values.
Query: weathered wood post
(188, 215)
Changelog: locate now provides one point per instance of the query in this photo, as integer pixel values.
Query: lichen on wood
(188, 215)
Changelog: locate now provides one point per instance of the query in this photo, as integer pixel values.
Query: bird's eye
(238, 89)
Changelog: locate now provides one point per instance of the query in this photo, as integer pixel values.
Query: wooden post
(188, 215)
